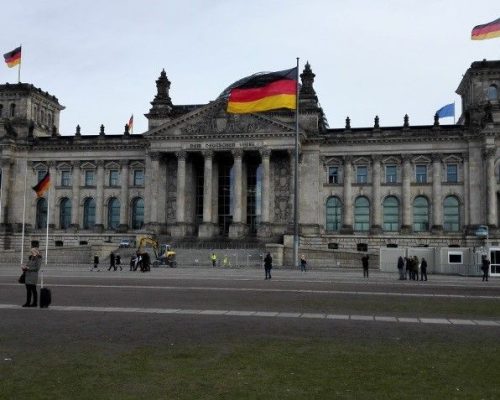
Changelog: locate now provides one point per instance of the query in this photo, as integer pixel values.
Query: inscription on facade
(222, 145)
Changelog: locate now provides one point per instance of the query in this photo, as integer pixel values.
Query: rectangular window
(421, 173)
(452, 173)
(362, 174)
(114, 177)
(455, 257)
(138, 177)
(66, 178)
(333, 175)
(90, 178)
(391, 174)
(40, 175)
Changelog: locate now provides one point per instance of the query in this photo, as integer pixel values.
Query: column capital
(7, 163)
(155, 155)
(465, 157)
(99, 163)
(75, 164)
(489, 152)
(406, 158)
(376, 158)
(207, 153)
(237, 153)
(436, 157)
(181, 155)
(124, 163)
(266, 152)
(347, 160)
(51, 164)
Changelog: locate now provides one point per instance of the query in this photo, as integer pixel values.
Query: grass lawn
(262, 369)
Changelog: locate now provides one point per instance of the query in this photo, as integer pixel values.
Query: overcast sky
(371, 57)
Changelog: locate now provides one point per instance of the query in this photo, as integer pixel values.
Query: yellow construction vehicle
(164, 254)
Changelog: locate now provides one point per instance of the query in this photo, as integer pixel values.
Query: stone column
(237, 228)
(348, 206)
(466, 187)
(291, 155)
(4, 211)
(207, 229)
(181, 186)
(124, 201)
(437, 201)
(491, 185)
(99, 203)
(153, 191)
(75, 201)
(406, 195)
(264, 229)
(52, 193)
(377, 214)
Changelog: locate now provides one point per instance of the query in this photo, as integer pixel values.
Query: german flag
(487, 31)
(41, 187)
(263, 92)
(13, 58)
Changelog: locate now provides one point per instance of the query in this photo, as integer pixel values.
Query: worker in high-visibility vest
(213, 258)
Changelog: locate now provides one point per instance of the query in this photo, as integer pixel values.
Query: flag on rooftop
(41, 187)
(486, 31)
(131, 123)
(446, 111)
(13, 58)
(263, 92)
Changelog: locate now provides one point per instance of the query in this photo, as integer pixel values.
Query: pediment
(112, 165)
(39, 166)
(361, 161)
(422, 160)
(452, 159)
(212, 119)
(64, 166)
(391, 160)
(87, 165)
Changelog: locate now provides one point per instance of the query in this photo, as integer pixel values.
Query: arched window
(451, 214)
(333, 214)
(391, 214)
(492, 92)
(113, 213)
(12, 110)
(89, 213)
(41, 213)
(420, 214)
(137, 213)
(361, 214)
(65, 213)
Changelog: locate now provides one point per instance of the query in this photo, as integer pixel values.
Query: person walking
(401, 265)
(407, 268)
(31, 277)
(364, 262)
(213, 258)
(112, 262)
(485, 267)
(118, 260)
(96, 263)
(303, 263)
(423, 269)
(268, 265)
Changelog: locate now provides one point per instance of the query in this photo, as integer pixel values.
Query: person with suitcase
(31, 277)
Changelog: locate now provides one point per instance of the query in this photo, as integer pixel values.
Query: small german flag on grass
(263, 92)
(486, 31)
(41, 187)
(13, 58)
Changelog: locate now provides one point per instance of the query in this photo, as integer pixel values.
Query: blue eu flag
(447, 111)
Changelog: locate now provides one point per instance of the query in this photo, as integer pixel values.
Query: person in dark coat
(112, 262)
(364, 262)
(485, 267)
(423, 269)
(31, 271)
(118, 261)
(401, 265)
(303, 263)
(96, 263)
(268, 265)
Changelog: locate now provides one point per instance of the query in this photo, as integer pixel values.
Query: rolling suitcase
(45, 295)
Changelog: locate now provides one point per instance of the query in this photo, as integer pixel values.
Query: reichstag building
(201, 174)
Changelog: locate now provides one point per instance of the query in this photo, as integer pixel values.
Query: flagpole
(454, 113)
(296, 179)
(1, 192)
(24, 210)
(20, 62)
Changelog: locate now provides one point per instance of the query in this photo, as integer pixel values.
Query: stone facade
(198, 172)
